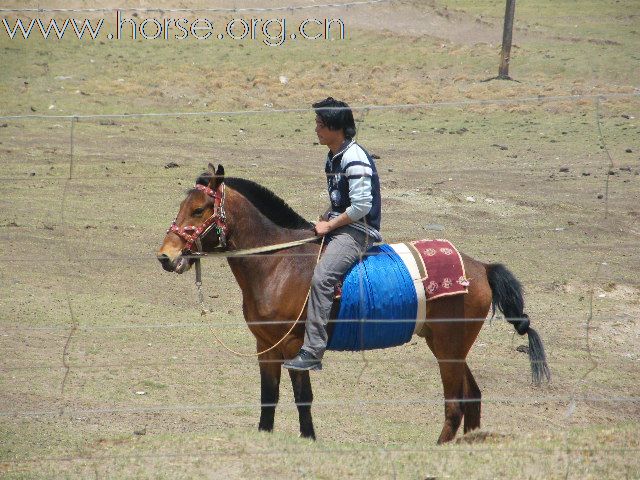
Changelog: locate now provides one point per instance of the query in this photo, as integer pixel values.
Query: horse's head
(199, 225)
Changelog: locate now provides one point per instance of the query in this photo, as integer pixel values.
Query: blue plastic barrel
(378, 306)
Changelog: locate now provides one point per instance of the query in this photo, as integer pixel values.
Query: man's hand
(322, 228)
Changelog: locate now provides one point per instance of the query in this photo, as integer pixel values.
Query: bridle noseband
(191, 234)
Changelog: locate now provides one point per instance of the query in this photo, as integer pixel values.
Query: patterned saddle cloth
(383, 298)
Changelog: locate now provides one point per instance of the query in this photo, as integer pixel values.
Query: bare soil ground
(555, 189)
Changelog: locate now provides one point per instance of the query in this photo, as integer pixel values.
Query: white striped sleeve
(361, 197)
(357, 169)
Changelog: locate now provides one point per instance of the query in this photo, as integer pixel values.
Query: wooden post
(505, 56)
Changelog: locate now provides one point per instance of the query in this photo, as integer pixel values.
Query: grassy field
(557, 199)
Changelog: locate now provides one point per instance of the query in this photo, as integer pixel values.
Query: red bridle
(190, 233)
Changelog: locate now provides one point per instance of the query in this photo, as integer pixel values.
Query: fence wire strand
(305, 450)
(351, 403)
(396, 106)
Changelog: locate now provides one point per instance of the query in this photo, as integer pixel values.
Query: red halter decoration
(191, 233)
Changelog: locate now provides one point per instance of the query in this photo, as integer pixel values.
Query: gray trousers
(345, 245)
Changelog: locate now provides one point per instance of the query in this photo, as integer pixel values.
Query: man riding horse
(424, 287)
(350, 225)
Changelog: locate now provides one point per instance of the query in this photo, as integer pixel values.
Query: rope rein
(252, 251)
(204, 310)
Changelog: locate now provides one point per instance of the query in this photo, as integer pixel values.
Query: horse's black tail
(507, 296)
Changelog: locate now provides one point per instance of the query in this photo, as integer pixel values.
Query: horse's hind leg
(472, 399)
(452, 373)
(304, 396)
(446, 341)
(450, 342)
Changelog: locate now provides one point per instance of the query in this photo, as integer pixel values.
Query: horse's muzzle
(166, 262)
(179, 265)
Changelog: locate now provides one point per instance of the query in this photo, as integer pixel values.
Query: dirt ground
(108, 369)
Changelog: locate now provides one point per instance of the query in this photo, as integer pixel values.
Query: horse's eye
(198, 211)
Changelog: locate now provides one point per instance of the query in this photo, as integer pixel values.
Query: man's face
(326, 136)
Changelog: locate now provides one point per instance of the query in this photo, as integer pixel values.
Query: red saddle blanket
(440, 266)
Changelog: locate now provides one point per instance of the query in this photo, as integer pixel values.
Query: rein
(250, 251)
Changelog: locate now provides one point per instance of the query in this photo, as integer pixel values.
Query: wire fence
(356, 402)
(75, 118)
(75, 326)
(443, 449)
(357, 108)
(336, 363)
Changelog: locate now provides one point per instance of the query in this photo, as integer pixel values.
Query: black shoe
(303, 361)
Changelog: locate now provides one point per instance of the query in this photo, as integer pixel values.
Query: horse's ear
(218, 176)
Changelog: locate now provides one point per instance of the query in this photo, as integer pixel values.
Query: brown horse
(236, 214)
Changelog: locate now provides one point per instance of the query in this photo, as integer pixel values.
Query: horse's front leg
(269, 388)
(303, 396)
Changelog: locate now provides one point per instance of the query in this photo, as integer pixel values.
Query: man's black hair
(336, 115)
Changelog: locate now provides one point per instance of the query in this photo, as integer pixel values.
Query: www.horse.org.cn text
(272, 32)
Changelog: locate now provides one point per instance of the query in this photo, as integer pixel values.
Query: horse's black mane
(267, 202)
